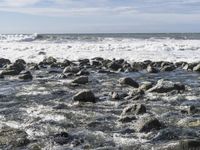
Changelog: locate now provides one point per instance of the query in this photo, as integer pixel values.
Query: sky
(99, 16)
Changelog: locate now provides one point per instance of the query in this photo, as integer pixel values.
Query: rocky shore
(99, 104)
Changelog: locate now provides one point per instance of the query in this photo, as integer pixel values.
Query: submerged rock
(85, 96)
(164, 86)
(128, 81)
(147, 124)
(81, 80)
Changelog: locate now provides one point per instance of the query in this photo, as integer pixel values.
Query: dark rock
(128, 81)
(164, 86)
(96, 63)
(135, 109)
(118, 96)
(147, 124)
(1, 76)
(66, 63)
(168, 68)
(190, 66)
(189, 144)
(41, 53)
(151, 69)
(25, 75)
(4, 62)
(81, 80)
(85, 96)
(62, 138)
(20, 61)
(114, 66)
(33, 66)
(84, 61)
(139, 65)
(62, 76)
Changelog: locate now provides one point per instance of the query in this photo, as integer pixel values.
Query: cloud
(19, 3)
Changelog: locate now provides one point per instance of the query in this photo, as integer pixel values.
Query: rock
(12, 138)
(25, 75)
(189, 144)
(20, 61)
(48, 61)
(82, 72)
(191, 122)
(135, 109)
(4, 62)
(33, 66)
(164, 86)
(146, 86)
(168, 68)
(84, 61)
(71, 69)
(81, 80)
(96, 63)
(151, 69)
(190, 66)
(139, 65)
(114, 66)
(128, 81)
(66, 63)
(197, 68)
(85, 96)
(118, 96)
(1, 76)
(62, 138)
(41, 53)
(147, 124)
(125, 119)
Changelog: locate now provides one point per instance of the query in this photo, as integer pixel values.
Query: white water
(129, 49)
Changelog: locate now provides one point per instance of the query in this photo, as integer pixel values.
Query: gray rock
(114, 66)
(164, 86)
(85, 96)
(49, 61)
(125, 119)
(197, 68)
(146, 86)
(168, 68)
(71, 69)
(135, 109)
(128, 81)
(81, 80)
(147, 124)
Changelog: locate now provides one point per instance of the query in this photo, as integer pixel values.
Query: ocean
(132, 47)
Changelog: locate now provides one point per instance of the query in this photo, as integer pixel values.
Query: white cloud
(19, 3)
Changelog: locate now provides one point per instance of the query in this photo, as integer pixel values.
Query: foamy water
(129, 48)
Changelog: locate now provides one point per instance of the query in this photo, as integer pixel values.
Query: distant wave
(18, 37)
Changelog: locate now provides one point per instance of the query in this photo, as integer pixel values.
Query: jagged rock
(81, 80)
(147, 124)
(85, 96)
(164, 86)
(135, 109)
(197, 68)
(128, 81)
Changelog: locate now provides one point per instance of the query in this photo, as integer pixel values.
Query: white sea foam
(127, 48)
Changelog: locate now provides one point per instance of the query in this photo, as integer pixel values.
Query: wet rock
(197, 68)
(85, 96)
(139, 65)
(62, 138)
(81, 80)
(33, 66)
(189, 122)
(66, 63)
(125, 119)
(189, 144)
(20, 61)
(135, 109)
(25, 75)
(4, 62)
(168, 68)
(164, 86)
(190, 110)
(1, 76)
(128, 81)
(84, 61)
(12, 138)
(117, 95)
(114, 66)
(190, 66)
(151, 69)
(62, 76)
(147, 124)
(96, 63)
(71, 69)
(146, 86)
(48, 61)
(83, 72)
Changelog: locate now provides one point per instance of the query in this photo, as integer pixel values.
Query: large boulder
(164, 86)
(147, 124)
(128, 81)
(85, 96)
(81, 80)
(4, 62)
(135, 109)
